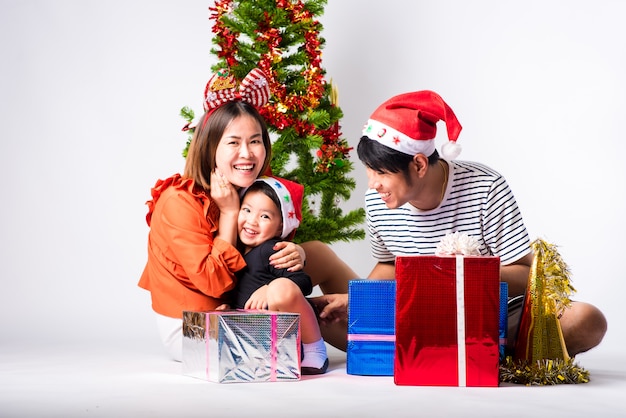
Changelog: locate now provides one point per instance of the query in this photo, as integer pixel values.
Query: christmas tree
(282, 38)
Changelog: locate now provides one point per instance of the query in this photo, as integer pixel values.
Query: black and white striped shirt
(477, 201)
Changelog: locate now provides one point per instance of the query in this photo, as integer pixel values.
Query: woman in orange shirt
(192, 254)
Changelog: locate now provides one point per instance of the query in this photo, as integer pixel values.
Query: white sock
(314, 354)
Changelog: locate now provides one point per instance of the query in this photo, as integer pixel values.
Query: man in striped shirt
(415, 198)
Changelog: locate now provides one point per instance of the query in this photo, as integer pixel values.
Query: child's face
(259, 219)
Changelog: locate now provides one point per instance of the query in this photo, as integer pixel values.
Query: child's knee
(282, 292)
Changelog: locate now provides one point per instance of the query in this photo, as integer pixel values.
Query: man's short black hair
(382, 159)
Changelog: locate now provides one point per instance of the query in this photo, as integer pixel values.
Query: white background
(90, 93)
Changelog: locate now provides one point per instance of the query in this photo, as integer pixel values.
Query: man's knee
(584, 327)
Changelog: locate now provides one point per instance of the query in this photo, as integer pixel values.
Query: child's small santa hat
(408, 123)
(290, 195)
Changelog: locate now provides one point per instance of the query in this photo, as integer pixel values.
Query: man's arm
(516, 275)
(334, 307)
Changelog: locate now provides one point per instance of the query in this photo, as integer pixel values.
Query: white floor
(137, 380)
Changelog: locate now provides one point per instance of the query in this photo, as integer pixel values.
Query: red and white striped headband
(223, 87)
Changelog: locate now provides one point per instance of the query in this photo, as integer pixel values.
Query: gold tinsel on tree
(541, 356)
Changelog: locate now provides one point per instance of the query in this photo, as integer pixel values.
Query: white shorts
(171, 332)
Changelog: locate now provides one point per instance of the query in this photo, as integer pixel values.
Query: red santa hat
(290, 195)
(408, 123)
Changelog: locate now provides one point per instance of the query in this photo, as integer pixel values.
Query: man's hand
(332, 307)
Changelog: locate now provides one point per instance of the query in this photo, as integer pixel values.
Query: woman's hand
(226, 198)
(258, 300)
(288, 256)
(224, 193)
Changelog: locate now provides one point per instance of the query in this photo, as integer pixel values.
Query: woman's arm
(186, 238)
(226, 198)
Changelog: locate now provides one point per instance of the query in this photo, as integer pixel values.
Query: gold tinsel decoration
(542, 372)
(541, 356)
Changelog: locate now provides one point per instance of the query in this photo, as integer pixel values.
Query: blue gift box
(504, 317)
(371, 327)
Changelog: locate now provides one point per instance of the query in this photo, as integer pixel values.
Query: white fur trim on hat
(397, 140)
(287, 208)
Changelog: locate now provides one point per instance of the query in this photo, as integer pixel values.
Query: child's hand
(258, 300)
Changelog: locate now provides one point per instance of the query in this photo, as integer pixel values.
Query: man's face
(393, 188)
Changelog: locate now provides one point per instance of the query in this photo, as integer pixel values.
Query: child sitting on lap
(270, 212)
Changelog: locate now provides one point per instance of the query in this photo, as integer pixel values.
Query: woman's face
(241, 153)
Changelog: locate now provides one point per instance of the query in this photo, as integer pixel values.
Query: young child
(270, 212)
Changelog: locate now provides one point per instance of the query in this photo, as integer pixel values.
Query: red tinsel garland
(284, 108)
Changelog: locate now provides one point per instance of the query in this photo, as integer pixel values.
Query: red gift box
(447, 321)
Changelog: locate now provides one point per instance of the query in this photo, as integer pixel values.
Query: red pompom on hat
(408, 123)
(290, 195)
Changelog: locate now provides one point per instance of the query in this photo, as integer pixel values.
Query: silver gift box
(241, 346)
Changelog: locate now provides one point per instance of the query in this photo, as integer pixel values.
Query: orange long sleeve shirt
(188, 268)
